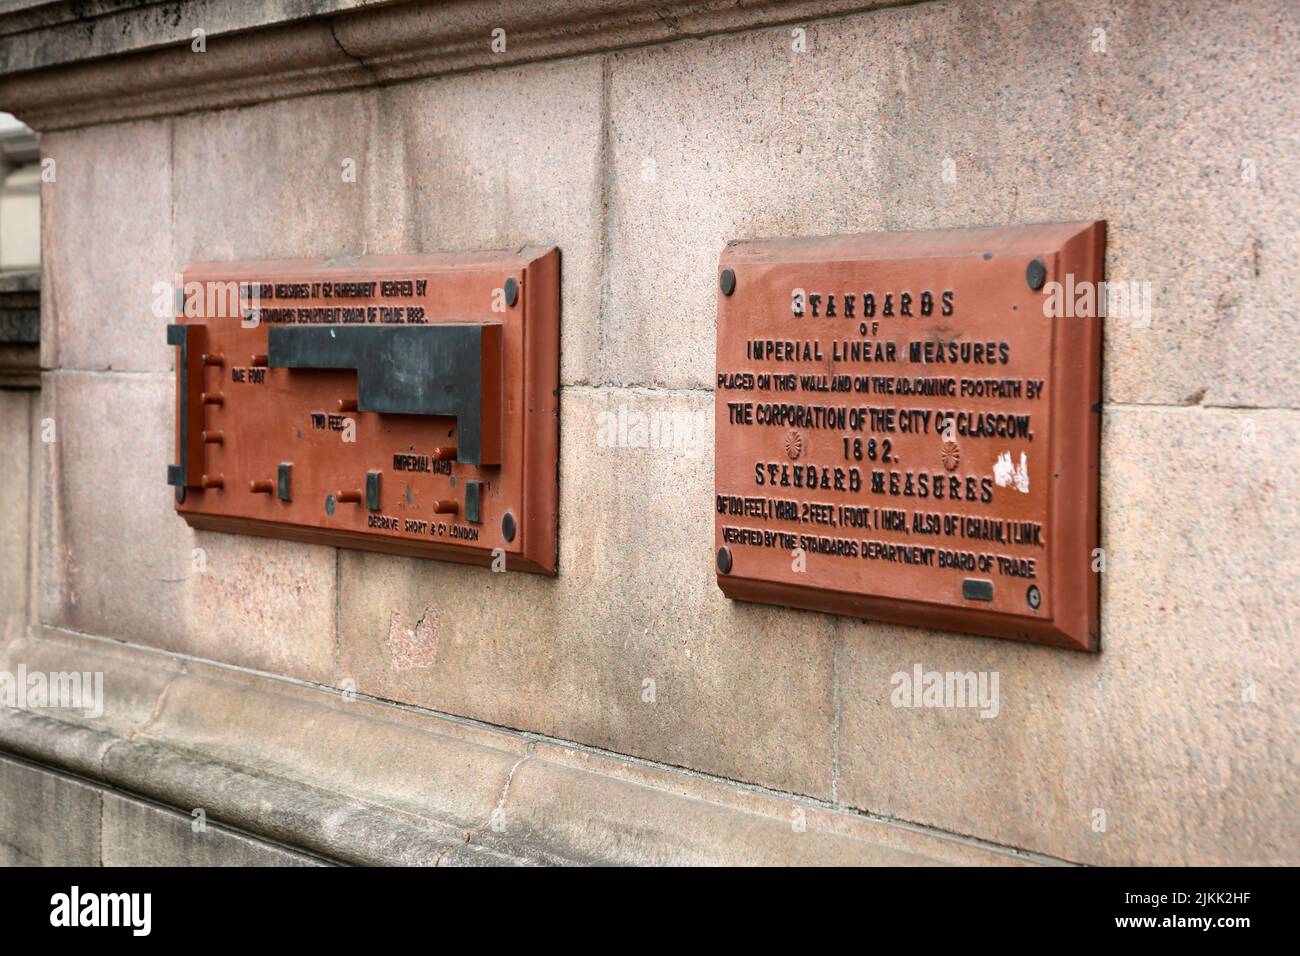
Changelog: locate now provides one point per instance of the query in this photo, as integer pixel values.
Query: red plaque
(405, 403)
(907, 427)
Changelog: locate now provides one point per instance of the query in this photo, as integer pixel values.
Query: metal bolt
(727, 282)
(724, 560)
(1036, 274)
(512, 292)
(1033, 596)
(508, 526)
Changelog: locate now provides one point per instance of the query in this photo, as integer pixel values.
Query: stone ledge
(38, 34)
(367, 782)
(131, 64)
(50, 818)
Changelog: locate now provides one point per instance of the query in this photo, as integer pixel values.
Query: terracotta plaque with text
(394, 403)
(907, 427)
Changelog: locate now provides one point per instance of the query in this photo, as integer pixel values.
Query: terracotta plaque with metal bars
(907, 427)
(406, 404)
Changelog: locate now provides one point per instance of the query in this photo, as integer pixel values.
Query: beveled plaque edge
(1075, 246)
(539, 269)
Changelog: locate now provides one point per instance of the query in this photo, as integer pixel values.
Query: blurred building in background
(20, 196)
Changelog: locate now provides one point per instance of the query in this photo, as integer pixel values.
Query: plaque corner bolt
(727, 281)
(1036, 274)
(724, 560)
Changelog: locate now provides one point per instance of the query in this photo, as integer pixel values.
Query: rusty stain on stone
(410, 648)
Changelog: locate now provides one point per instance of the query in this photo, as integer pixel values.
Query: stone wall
(640, 163)
(16, 435)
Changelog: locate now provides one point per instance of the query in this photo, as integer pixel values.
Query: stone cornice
(125, 64)
(39, 34)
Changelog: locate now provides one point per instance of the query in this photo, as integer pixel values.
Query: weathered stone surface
(349, 828)
(100, 492)
(127, 62)
(742, 137)
(15, 514)
(46, 819)
(141, 834)
(365, 782)
(499, 160)
(128, 699)
(281, 180)
(117, 561)
(39, 39)
(631, 647)
(354, 746)
(649, 816)
(1182, 732)
(110, 205)
(260, 603)
(302, 60)
(448, 164)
